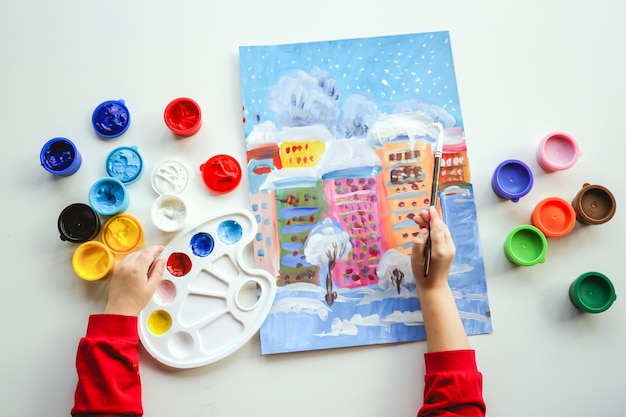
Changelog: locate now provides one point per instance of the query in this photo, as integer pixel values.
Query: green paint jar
(526, 245)
(592, 292)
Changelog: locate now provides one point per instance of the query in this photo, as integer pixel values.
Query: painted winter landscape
(339, 138)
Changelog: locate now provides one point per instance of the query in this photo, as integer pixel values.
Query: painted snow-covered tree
(326, 244)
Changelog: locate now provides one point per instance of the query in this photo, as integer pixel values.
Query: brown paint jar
(594, 204)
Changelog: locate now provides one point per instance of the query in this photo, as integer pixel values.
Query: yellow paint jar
(93, 261)
(122, 234)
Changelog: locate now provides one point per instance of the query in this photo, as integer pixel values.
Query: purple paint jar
(512, 180)
(59, 156)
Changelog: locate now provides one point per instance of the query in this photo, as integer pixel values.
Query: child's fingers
(419, 244)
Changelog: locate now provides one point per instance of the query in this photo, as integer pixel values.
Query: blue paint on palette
(202, 244)
(229, 232)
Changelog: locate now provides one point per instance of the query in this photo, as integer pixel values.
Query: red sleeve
(107, 362)
(453, 385)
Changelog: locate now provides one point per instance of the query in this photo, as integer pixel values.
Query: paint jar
(554, 216)
(221, 173)
(592, 292)
(183, 116)
(526, 245)
(557, 151)
(169, 213)
(93, 261)
(108, 196)
(170, 177)
(111, 119)
(78, 223)
(59, 156)
(594, 204)
(124, 163)
(512, 179)
(122, 234)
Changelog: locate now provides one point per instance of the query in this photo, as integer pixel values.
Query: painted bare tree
(326, 244)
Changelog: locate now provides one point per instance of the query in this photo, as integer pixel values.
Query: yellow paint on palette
(93, 261)
(159, 322)
(301, 154)
(123, 234)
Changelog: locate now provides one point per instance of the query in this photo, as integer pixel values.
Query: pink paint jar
(558, 151)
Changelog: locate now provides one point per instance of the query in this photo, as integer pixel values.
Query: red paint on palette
(178, 264)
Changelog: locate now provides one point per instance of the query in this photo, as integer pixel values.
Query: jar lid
(111, 118)
(170, 177)
(124, 163)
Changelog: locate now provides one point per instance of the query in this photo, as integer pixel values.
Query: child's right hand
(442, 250)
(134, 281)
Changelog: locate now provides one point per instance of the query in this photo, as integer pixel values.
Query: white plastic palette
(209, 302)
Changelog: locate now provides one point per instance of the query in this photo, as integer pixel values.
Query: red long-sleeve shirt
(107, 362)
(453, 386)
(109, 385)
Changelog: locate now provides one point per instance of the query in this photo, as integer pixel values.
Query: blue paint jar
(108, 196)
(60, 156)
(124, 163)
(111, 119)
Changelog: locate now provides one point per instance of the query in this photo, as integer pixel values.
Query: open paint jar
(108, 196)
(122, 234)
(526, 245)
(111, 119)
(93, 261)
(124, 163)
(59, 156)
(592, 292)
(221, 173)
(183, 116)
(594, 204)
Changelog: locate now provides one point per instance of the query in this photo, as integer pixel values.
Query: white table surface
(523, 69)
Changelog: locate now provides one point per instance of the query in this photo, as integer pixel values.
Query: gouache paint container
(170, 177)
(554, 216)
(124, 163)
(122, 234)
(592, 292)
(111, 119)
(169, 213)
(93, 261)
(594, 204)
(183, 116)
(512, 179)
(78, 223)
(526, 245)
(221, 173)
(557, 151)
(108, 196)
(59, 156)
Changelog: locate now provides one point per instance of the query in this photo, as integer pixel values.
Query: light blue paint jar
(108, 196)
(124, 163)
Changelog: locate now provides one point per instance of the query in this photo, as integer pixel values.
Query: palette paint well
(209, 303)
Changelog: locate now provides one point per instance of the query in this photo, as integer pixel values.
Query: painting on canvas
(339, 138)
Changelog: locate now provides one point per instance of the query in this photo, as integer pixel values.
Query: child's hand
(134, 281)
(442, 250)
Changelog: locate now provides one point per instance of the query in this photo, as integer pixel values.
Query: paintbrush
(434, 192)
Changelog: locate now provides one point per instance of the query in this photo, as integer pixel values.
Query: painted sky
(354, 78)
